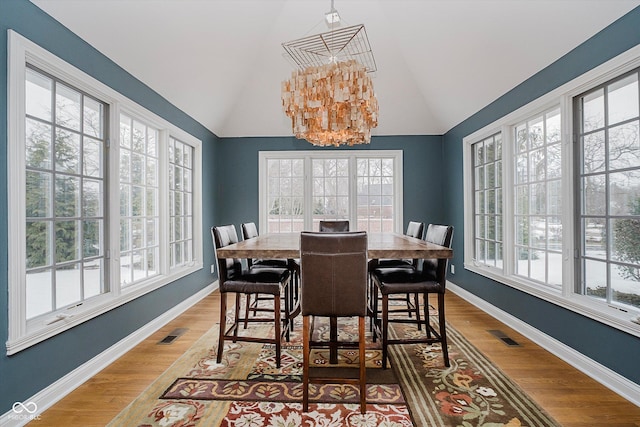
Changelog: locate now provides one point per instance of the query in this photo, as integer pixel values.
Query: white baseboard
(605, 376)
(47, 397)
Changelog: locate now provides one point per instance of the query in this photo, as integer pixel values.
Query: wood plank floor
(568, 395)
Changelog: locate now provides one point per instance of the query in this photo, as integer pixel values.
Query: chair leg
(374, 314)
(385, 329)
(223, 325)
(277, 320)
(333, 340)
(408, 298)
(443, 330)
(246, 309)
(288, 320)
(363, 368)
(305, 363)
(237, 318)
(426, 315)
(416, 299)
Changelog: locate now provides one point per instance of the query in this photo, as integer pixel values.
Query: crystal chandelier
(330, 100)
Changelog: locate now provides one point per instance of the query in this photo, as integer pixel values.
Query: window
(64, 203)
(487, 188)
(608, 123)
(139, 213)
(537, 198)
(90, 173)
(180, 202)
(303, 188)
(559, 217)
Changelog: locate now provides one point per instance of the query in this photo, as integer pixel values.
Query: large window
(64, 199)
(537, 198)
(301, 188)
(139, 213)
(608, 124)
(90, 174)
(181, 175)
(487, 196)
(552, 196)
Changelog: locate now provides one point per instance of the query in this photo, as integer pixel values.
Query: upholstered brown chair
(234, 279)
(333, 226)
(414, 229)
(429, 278)
(334, 284)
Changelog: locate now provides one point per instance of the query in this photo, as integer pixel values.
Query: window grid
(487, 178)
(608, 119)
(375, 194)
(286, 195)
(65, 135)
(180, 203)
(60, 125)
(538, 199)
(139, 213)
(298, 189)
(330, 191)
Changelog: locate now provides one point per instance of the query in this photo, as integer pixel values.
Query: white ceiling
(439, 61)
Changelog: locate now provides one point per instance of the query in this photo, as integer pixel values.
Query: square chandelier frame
(337, 45)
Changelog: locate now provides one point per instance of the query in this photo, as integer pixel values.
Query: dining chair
(252, 305)
(333, 284)
(233, 278)
(250, 231)
(333, 226)
(414, 229)
(429, 278)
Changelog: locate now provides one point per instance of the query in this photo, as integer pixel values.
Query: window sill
(48, 326)
(588, 307)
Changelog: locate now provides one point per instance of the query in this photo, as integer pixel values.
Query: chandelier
(330, 100)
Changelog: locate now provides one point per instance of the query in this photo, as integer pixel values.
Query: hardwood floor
(569, 396)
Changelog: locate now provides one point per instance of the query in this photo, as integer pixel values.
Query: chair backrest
(333, 273)
(249, 230)
(222, 236)
(437, 268)
(334, 226)
(415, 229)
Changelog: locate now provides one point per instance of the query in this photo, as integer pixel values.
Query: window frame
(561, 97)
(352, 156)
(22, 333)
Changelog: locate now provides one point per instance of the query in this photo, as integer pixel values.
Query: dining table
(380, 245)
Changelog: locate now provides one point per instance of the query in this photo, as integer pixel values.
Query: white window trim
(562, 96)
(352, 155)
(23, 334)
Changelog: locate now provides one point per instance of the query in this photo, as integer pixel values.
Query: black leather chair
(233, 278)
(414, 229)
(334, 284)
(429, 278)
(250, 231)
(334, 226)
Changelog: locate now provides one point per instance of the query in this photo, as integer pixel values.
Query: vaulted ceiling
(439, 61)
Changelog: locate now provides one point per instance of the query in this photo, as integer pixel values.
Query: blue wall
(27, 372)
(433, 193)
(612, 348)
(237, 166)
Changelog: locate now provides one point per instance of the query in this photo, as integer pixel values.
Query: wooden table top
(380, 245)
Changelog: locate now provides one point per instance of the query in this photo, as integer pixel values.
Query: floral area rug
(247, 390)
